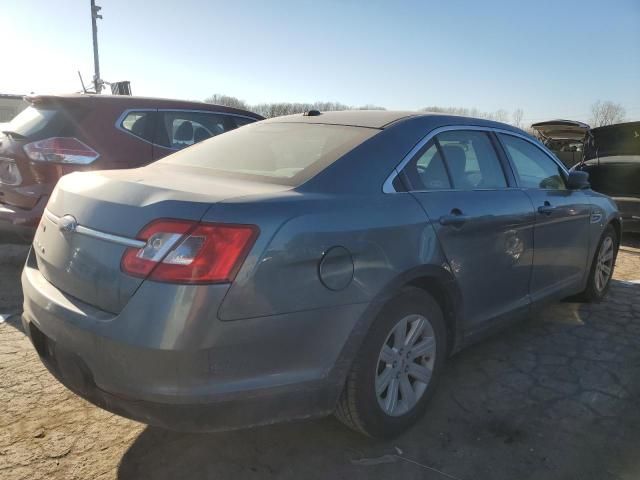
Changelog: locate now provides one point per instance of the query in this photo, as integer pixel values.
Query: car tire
(595, 290)
(374, 413)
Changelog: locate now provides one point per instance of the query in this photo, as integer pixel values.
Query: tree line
(277, 109)
(602, 113)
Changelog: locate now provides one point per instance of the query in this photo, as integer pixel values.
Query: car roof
(129, 101)
(355, 118)
(381, 119)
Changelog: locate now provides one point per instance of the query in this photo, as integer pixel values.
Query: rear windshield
(30, 121)
(283, 153)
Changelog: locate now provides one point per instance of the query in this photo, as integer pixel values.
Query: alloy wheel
(405, 365)
(604, 264)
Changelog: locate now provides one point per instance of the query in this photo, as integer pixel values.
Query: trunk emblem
(68, 224)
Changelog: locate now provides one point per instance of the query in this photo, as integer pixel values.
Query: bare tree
(516, 118)
(227, 101)
(606, 113)
(498, 115)
(370, 106)
(277, 109)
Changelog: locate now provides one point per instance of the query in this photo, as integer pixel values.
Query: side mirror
(578, 180)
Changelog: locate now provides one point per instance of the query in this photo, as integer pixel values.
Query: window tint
(283, 153)
(533, 167)
(181, 129)
(471, 159)
(138, 123)
(427, 170)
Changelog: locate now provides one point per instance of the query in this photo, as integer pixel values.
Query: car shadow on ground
(555, 396)
(12, 258)
(631, 240)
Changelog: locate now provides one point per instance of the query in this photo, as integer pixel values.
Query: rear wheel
(396, 369)
(602, 267)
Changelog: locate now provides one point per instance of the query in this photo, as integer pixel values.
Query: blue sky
(550, 58)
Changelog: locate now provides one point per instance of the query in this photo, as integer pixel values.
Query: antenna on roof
(84, 89)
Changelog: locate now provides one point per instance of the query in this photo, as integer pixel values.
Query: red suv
(57, 135)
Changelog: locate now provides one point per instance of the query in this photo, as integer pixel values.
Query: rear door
(178, 129)
(139, 124)
(561, 235)
(483, 224)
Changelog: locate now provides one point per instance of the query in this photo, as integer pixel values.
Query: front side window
(533, 167)
(180, 129)
(471, 159)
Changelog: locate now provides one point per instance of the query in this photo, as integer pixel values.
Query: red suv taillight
(61, 150)
(179, 251)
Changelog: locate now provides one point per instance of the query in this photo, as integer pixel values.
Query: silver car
(306, 265)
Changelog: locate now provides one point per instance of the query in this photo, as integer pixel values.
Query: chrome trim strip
(107, 237)
(387, 186)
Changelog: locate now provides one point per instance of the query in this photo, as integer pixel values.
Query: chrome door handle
(546, 209)
(454, 219)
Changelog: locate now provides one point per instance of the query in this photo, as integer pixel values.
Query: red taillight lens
(61, 150)
(188, 252)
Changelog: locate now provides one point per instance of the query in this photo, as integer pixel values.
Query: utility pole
(97, 82)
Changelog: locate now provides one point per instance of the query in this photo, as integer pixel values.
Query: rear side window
(427, 171)
(459, 159)
(31, 121)
(241, 121)
(533, 167)
(283, 153)
(471, 159)
(139, 123)
(180, 129)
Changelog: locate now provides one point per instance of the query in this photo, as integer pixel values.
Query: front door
(561, 235)
(484, 226)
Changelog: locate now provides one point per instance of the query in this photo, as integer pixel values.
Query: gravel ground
(555, 397)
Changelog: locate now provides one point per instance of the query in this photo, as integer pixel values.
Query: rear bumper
(228, 412)
(20, 224)
(629, 208)
(230, 375)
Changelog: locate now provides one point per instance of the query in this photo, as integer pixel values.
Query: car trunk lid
(612, 158)
(561, 129)
(92, 218)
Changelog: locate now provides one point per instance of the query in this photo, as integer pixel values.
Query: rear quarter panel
(386, 235)
(117, 148)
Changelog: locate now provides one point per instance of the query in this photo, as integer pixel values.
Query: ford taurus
(306, 265)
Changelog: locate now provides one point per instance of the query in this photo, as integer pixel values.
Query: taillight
(61, 150)
(180, 251)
